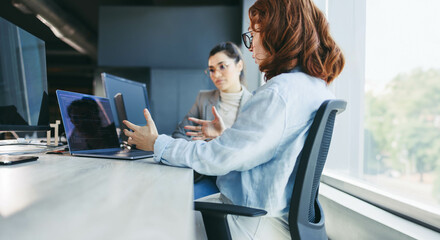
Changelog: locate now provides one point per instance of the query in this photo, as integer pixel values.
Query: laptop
(90, 127)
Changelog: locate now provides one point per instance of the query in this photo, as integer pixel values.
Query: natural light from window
(402, 99)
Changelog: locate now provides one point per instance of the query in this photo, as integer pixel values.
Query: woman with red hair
(253, 160)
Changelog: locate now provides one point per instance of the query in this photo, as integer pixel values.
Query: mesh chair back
(306, 218)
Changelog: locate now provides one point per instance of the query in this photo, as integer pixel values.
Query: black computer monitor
(24, 104)
(134, 94)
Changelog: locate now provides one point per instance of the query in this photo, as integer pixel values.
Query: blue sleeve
(251, 141)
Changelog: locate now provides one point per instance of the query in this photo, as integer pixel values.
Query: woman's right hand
(207, 129)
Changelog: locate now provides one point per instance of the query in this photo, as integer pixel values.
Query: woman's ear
(240, 65)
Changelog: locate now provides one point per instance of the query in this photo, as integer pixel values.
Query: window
(402, 98)
(389, 137)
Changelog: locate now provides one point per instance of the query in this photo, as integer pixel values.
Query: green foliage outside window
(402, 126)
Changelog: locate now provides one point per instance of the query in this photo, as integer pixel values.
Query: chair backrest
(306, 218)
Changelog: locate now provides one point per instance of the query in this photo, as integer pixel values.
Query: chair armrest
(224, 209)
(215, 217)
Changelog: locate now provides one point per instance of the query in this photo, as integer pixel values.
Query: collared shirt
(254, 159)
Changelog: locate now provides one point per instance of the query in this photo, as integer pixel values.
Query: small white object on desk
(55, 126)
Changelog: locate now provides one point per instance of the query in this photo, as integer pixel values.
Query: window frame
(405, 208)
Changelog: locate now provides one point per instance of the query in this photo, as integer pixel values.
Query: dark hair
(86, 103)
(296, 32)
(232, 51)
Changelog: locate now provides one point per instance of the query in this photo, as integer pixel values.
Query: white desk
(64, 197)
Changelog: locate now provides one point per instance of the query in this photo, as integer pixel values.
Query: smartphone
(122, 115)
(15, 159)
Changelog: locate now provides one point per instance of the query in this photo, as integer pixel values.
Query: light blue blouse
(255, 157)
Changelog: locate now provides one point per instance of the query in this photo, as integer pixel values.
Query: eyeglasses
(221, 68)
(247, 39)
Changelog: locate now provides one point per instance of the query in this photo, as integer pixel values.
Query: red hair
(295, 32)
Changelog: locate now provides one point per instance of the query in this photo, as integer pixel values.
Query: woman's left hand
(143, 136)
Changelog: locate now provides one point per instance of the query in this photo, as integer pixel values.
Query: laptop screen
(134, 94)
(88, 121)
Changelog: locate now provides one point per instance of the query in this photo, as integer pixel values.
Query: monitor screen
(23, 80)
(134, 94)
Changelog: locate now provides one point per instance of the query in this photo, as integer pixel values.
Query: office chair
(306, 217)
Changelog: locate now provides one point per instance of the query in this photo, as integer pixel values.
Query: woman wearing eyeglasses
(222, 105)
(218, 108)
(254, 159)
